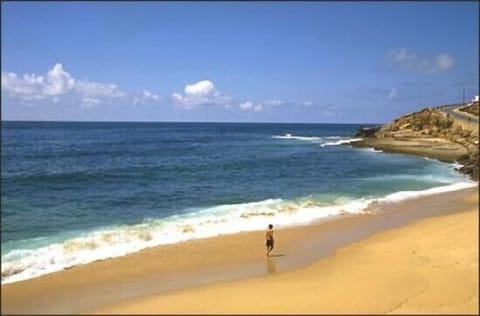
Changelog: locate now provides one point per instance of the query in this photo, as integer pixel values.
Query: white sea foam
(404, 195)
(372, 150)
(323, 141)
(290, 136)
(341, 142)
(333, 137)
(453, 165)
(439, 178)
(456, 165)
(219, 220)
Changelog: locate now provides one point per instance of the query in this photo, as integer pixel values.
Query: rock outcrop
(367, 132)
(429, 132)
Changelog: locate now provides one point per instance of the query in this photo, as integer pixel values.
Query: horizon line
(194, 122)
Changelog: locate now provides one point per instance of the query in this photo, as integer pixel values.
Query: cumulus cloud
(55, 84)
(204, 87)
(58, 81)
(29, 87)
(411, 61)
(201, 93)
(204, 93)
(32, 87)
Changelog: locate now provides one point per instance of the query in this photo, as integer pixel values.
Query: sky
(306, 62)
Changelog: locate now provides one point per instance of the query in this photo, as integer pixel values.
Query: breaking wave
(114, 241)
(323, 141)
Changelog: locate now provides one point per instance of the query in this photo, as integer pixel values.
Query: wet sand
(231, 274)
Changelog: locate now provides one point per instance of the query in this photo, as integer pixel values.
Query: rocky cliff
(430, 132)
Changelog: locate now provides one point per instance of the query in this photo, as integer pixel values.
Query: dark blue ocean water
(71, 183)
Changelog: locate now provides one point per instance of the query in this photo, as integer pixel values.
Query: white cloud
(89, 103)
(410, 61)
(204, 87)
(150, 96)
(273, 102)
(444, 61)
(393, 94)
(259, 106)
(58, 81)
(29, 86)
(145, 97)
(307, 103)
(247, 105)
(32, 87)
(202, 93)
(55, 84)
(95, 89)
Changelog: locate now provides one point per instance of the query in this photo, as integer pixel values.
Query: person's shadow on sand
(271, 264)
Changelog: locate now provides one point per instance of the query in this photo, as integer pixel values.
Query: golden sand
(430, 266)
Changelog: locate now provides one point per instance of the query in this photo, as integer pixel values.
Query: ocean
(74, 193)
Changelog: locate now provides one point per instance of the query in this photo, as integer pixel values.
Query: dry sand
(431, 265)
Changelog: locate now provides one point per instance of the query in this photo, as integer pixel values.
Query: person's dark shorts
(269, 243)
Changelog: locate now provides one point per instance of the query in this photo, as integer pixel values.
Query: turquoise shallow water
(77, 192)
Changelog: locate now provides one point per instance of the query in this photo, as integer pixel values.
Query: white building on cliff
(475, 99)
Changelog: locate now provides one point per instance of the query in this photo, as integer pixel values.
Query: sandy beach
(430, 266)
(150, 147)
(409, 262)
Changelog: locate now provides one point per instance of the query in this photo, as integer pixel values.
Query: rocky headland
(448, 134)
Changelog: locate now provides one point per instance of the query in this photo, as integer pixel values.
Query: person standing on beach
(269, 239)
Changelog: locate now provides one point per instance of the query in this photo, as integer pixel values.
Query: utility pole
(463, 104)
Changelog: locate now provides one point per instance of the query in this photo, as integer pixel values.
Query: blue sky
(326, 62)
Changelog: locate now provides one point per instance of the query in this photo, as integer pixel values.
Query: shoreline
(428, 266)
(212, 260)
(434, 148)
(307, 216)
